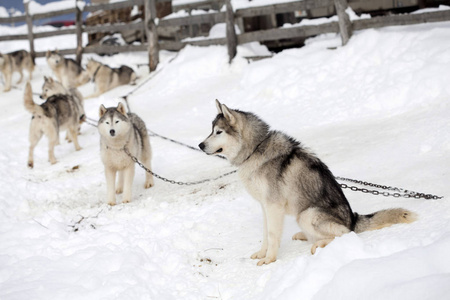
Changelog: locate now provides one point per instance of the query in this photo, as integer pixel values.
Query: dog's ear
(50, 79)
(219, 107)
(45, 78)
(121, 108)
(228, 114)
(102, 110)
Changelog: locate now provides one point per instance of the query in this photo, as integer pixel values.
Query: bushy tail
(383, 218)
(28, 99)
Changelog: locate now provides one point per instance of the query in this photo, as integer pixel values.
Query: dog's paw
(53, 161)
(258, 255)
(321, 244)
(30, 164)
(126, 201)
(148, 185)
(112, 203)
(299, 236)
(266, 261)
(78, 148)
(119, 191)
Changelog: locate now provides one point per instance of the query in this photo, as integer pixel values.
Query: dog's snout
(41, 97)
(202, 146)
(112, 132)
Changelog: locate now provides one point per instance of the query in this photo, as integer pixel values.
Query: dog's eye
(107, 123)
(218, 131)
(117, 122)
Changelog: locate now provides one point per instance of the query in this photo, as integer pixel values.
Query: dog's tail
(28, 99)
(383, 218)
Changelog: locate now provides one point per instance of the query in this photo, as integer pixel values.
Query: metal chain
(125, 149)
(400, 192)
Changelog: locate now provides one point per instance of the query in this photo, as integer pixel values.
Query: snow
(375, 110)
(37, 8)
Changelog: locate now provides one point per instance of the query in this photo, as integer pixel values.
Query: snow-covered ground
(376, 110)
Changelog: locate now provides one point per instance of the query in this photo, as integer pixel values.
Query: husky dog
(52, 87)
(120, 130)
(15, 62)
(58, 112)
(287, 179)
(107, 78)
(66, 70)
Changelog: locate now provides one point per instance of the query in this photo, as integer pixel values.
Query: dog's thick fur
(15, 62)
(119, 129)
(52, 87)
(287, 179)
(107, 78)
(58, 112)
(66, 70)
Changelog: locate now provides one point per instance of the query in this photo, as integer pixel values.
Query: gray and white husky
(58, 112)
(119, 130)
(52, 87)
(15, 62)
(67, 71)
(287, 179)
(107, 78)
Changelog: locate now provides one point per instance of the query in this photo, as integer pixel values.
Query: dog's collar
(95, 73)
(256, 148)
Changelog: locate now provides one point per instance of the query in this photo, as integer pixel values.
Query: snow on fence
(151, 25)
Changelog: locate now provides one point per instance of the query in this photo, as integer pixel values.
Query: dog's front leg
(262, 253)
(8, 78)
(275, 220)
(128, 176)
(110, 175)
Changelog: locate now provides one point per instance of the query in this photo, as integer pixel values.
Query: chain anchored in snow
(125, 149)
(398, 192)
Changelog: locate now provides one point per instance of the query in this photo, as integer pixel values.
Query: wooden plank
(54, 33)
(15, 19)
(30, 29)
(194, 19)
(79, 32)
(397, 20)
(112, 27)
(13, 37)
(281, 8)
(52, 14)
(288, 33)
(99, 49)
(152, 34)
(176, 46)
(231, 32)
(111, 6)
(345, 26)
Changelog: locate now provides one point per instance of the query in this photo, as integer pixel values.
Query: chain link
(399, 192)
(133, 158)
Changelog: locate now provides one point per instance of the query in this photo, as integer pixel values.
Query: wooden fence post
(29, 19)
(231, 32)
(79, 24)
(345, 26)
(152, 35)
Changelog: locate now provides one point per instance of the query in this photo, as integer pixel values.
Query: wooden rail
(230, 17)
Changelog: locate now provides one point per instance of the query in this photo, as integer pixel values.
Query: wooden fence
(151, 26)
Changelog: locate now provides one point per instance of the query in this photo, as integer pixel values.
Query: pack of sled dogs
(276, 170)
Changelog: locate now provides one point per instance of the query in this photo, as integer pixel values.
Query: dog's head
(225, 136)
(114, 122)
(54, 59)
(51, 87)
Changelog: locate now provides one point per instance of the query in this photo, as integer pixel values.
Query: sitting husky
(287, 179)
(59, 112)
(66, 70)
(15, 62)
(119, 130)
(107, 78)
(52, 87)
